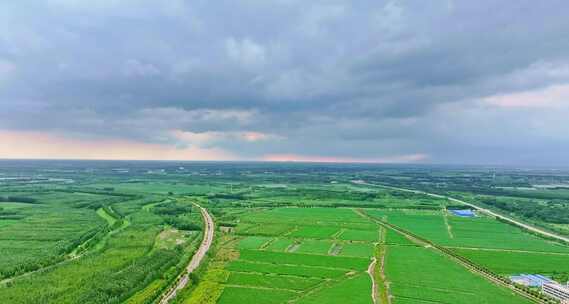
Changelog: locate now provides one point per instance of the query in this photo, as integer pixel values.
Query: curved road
(196, 259)
(483, 210)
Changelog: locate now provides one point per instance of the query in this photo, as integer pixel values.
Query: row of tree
(551, 212)
(18, 199)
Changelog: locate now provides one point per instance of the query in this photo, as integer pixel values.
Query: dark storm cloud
(339, 78)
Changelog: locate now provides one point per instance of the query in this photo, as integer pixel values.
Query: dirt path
(385, 295)
(196, 259)
(379, 284)
(371, 272)
(449, 229)
(483, 210)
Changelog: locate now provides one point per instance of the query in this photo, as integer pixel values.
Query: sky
(441, 81)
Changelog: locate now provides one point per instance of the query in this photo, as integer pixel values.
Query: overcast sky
(473, 82)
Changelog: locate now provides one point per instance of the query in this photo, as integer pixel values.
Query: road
(196, 259)
(480, 209)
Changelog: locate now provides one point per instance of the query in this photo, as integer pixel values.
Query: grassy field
(508, 262)
(300, 257)
(271, 281)
(476, 232)
(232, 295)
(420, 275)
(354, 289)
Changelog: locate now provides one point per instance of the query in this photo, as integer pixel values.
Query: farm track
(377, 296)
(383, 294)
(196, 259)
(371, 271)
(461, 261)
(449, 228)
(480, 209)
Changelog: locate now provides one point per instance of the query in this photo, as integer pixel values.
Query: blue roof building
(463, 213)
(531, 280)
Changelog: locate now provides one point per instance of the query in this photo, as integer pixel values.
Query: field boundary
(383, 295)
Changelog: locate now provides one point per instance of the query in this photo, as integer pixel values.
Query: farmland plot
(511, 262)
(420, 275)
(478, 232)
(311, 255)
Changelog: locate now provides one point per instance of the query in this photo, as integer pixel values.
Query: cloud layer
(395, 81)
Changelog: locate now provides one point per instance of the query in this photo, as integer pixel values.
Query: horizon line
(516, 166)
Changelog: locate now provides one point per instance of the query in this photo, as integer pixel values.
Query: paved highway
(196, 259)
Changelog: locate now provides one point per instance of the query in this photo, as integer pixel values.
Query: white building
(557, 291)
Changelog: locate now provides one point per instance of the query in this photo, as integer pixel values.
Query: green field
(288, 233)
(420, 275)
(305, 252)
(509, 263)
(254, 295)
(477, 232)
